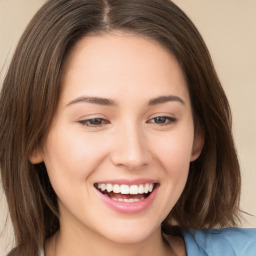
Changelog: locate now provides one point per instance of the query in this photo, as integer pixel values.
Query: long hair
(31, 91)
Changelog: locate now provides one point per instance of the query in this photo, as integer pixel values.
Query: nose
(130, 148)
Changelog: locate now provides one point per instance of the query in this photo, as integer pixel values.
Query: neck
(74, 243)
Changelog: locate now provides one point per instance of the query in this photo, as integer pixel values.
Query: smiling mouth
(126, 193)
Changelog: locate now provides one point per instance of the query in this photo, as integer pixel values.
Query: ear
(36, 157)
(197, 144)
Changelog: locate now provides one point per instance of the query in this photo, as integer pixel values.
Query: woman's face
(123, 127)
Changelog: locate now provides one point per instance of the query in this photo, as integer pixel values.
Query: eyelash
(86, 122)
(164, 121)
(167, 120)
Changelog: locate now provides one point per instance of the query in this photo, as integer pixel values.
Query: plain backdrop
(229, 29)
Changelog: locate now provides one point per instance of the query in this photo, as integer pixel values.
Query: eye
(163, 120)
(94, 122)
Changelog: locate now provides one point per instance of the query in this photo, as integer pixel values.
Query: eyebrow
(93, 100)
(164, 99)
(109, 102)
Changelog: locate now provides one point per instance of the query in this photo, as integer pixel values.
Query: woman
(116, 136)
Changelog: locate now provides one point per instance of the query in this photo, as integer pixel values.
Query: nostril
(130, 154)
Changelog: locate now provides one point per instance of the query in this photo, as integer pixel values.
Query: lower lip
(124, 207)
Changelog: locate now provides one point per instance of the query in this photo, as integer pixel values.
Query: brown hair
(31, 92)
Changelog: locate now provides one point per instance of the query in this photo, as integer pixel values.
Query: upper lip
(127, 182)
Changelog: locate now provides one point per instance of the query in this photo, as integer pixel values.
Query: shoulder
(224, 242)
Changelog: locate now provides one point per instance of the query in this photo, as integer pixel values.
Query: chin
(126, 233)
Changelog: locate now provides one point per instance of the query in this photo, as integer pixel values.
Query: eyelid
(97, 121)
(85, 122)
(171, 120)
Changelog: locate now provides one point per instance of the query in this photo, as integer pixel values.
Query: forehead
(120, 64)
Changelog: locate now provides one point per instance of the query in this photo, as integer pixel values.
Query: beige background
(229, 29)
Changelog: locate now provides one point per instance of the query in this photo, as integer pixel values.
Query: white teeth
(126, 189)
(131, 200)
(109, 187)
(103, 187)
(141, 189)
(146, 187)
(134, 190)
(116, 189)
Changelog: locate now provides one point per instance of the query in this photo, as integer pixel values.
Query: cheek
(173, 159)
(70, 157)
(175, 151)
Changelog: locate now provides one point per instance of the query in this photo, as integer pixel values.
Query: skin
(130, 143)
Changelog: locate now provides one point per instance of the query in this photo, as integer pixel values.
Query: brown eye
(160, 120)
(163, 120)
(94, 122)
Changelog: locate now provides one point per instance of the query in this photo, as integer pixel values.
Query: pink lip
(128, 208)
(128, 182)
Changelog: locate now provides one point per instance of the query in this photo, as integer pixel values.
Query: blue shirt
(219, 242)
